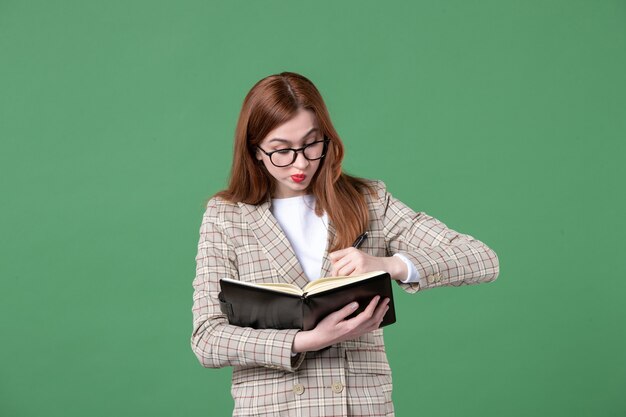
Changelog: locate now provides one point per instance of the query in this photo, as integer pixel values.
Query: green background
(506, 120)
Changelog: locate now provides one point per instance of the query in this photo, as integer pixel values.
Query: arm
(442, 256)
(216, 343)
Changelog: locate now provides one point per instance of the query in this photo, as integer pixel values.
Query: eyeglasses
(285, 157)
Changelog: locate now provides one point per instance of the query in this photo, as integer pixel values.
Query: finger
(376, 320)
(372, 305)
(379, 313)
(344, 266)
(346, 271)
(381, 310)
(338, 254)
(339, 264)
(379, 321)
(366, 314)
(334, 256)
(356, 270)
(340, 315)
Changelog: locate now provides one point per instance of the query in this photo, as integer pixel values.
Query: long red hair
(271, 102)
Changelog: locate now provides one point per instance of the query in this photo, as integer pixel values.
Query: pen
(359, 240)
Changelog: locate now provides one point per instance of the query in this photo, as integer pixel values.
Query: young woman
(290, 214)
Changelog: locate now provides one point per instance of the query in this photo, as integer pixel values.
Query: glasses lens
(315, 150)
(282, 158)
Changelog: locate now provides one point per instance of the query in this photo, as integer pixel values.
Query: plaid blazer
(351, 378)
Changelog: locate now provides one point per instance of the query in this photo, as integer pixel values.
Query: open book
(286, 306)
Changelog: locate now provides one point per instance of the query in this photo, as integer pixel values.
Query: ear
(259, 155)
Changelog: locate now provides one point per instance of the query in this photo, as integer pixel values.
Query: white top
(308, 234)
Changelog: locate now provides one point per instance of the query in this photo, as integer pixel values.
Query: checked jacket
(351, 378)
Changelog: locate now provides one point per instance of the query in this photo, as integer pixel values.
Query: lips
(298, 177)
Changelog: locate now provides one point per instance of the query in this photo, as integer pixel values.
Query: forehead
(294, 130)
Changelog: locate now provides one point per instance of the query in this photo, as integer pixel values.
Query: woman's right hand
(334, 328)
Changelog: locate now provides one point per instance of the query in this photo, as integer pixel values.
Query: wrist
(397, 268)
(303, 342)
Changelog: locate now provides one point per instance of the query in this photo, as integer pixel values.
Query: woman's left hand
(352, 261)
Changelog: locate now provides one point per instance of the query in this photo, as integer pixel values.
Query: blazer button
(337, 387)
(298, 389)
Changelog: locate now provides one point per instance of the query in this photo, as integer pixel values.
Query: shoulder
(375, 191)
(383, 203)
(219, 210)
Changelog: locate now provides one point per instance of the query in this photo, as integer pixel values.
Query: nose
(301, 162)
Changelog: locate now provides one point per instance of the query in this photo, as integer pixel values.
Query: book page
(326, 283)
(278, 287)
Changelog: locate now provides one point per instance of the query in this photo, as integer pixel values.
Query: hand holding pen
(349, 261)
(352, 261)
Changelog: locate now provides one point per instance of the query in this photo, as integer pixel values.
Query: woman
(290, 214)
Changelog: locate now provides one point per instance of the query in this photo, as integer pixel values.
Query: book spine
(303, 313)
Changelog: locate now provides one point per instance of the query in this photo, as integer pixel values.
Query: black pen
(359, 240)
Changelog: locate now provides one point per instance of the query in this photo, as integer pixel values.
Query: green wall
(506, 120)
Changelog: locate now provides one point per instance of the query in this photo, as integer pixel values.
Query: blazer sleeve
(442, 256)
(216, 343)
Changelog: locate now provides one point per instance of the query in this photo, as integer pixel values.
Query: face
(292, 180)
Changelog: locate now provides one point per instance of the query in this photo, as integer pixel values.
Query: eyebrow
(288, 141)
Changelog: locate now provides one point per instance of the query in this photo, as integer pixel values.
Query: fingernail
(354, 306)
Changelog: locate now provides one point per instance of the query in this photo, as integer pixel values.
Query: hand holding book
(335, 328)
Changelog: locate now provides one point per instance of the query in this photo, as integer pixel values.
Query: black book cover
(261, 308)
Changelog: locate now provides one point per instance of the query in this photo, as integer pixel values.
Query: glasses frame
(295, 152)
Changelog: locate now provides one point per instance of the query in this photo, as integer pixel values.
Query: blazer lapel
(326, 266)
(274, 242)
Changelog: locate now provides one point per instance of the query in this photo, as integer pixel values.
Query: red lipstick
(298, 177)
